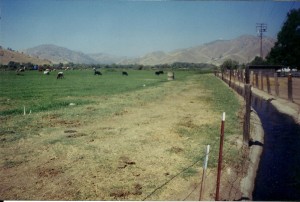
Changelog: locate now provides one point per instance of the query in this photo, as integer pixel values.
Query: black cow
(159, 72)
(97, 73)
(124, 73)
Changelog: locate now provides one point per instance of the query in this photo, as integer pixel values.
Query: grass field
(127, 138)
(43, 92)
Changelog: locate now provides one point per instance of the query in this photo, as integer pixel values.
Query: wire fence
(230, 186)
(232, 189)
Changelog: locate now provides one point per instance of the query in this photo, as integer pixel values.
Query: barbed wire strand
(172, 179)
(224, 166)
(182, 171)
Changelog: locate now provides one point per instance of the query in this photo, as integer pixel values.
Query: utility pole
(260, 28)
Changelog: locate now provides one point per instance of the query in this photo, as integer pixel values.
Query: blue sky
(133, 28)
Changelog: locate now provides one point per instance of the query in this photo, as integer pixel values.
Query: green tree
(28, 65)
(13, 65)
(229, 64)
(286, 50)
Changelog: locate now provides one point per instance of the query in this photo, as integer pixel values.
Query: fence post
(268, 84)
(290, 87)
(247, 75)
(246, 128)
(220, 157)
(230, 72)
(235, 75)
(222, 72)
(261, 80)
(239, 77)
(247, 97)
(242, 75)
(204, 170)
(276, 84)
(256, 79)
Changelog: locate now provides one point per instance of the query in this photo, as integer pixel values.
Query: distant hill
(57, 54)
(104, 58)
(8, 55)
(242, 49)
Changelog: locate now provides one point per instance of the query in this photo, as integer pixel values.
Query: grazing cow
(124, 73)
(159, 72)
(60, 75)
(97, 72)
(20, 70)
(46, 72)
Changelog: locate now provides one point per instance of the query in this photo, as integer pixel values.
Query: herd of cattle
(60, 75)
(97, 72)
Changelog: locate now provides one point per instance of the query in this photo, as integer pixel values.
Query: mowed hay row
(124, 154)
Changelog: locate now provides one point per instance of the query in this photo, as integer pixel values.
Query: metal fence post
(220, 157)
(204, 170)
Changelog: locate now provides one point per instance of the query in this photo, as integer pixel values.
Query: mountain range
(57, 54)
(242, 49)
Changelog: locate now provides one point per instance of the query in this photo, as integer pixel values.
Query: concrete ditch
(255, 151)
(257, 138)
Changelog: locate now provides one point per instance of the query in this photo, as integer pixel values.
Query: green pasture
(39, 92)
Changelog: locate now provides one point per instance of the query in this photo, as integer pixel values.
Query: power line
(292, 5)
(260, 28)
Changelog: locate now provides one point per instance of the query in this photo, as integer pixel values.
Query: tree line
(177, 65)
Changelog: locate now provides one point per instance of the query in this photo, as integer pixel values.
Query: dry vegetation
(144, 144)
(6, 56)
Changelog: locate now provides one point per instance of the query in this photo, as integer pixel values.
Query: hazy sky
(133, 28)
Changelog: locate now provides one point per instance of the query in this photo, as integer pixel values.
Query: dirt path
(124, 156)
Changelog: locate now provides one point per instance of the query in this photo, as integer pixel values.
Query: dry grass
(121, 147)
